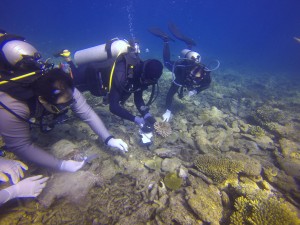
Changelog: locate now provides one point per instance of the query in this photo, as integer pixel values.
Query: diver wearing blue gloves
(188, 72)
(32, 90)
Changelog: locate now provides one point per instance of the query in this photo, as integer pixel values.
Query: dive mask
(59, 108)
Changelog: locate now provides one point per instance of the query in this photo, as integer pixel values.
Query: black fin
(159, 33)
(176, 32)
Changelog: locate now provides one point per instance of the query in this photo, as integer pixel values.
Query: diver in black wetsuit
(130, 75)
(188, 73)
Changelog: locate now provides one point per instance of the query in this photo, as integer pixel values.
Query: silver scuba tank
(14, 51)
(98, 54)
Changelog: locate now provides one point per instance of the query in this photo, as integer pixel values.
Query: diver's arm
(139, 103)
(88, 115)
(172, 91)
(115, 107)
(16, 134)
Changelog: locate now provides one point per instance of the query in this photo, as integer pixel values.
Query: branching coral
(219, 169)
(163, 128)
(263, 211)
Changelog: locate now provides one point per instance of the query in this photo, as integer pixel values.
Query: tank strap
(108, 47)
(112, 72)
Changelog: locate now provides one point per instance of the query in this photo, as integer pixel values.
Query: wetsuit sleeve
(172, 91)
(16, 134)
(117, 94)
(4, 196)
(88, 115)
(139, 102)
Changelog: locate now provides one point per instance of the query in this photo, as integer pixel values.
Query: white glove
(118, 143)
(167, 116)
(71, 165)
(29, 187)
(13, 168)
(191, 93)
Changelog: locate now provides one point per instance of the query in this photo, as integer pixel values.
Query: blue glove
(139, 121)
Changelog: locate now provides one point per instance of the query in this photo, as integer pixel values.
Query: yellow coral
(263, 211)
(219, 169)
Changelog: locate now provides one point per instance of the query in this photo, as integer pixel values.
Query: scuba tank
(101, 53)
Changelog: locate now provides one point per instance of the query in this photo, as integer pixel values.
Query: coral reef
(218, 168)
(256, 131)
(264, 210)
(163, 128)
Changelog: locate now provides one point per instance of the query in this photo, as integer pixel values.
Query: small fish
(147, 50)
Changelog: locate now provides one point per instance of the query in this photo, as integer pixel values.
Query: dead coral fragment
(263, 211)
(219, 169)
(163, 128)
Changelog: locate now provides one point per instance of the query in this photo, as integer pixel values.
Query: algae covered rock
(206, 203)
(73, 186)
(177, 213)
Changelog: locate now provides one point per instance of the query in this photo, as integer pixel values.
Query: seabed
(232, 157)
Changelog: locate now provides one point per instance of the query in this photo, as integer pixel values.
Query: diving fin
(159, 33)
(176, 32)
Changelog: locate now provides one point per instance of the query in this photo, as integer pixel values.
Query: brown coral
(163, 128)
(218, 168)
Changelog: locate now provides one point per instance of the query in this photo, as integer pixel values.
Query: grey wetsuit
(16, 133)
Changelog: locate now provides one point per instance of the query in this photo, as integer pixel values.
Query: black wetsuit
(121, 88)
(182, 71)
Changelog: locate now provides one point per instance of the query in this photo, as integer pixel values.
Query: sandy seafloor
(233, 158)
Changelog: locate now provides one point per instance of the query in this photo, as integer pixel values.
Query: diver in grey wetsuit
(53, 92)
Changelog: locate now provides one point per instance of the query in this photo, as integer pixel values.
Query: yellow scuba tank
(101, 53)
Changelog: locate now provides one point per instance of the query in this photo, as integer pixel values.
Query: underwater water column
(130, 16)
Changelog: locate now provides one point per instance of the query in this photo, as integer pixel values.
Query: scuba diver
(188, 72)
(114, 70)
(32, 90)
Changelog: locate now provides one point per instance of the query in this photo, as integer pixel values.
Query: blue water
(251, 35)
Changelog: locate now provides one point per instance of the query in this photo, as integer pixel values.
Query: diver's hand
(71, 165)
(13, 168)
(167, 116)
(139, 121)
(118, 143)
(29, 187)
